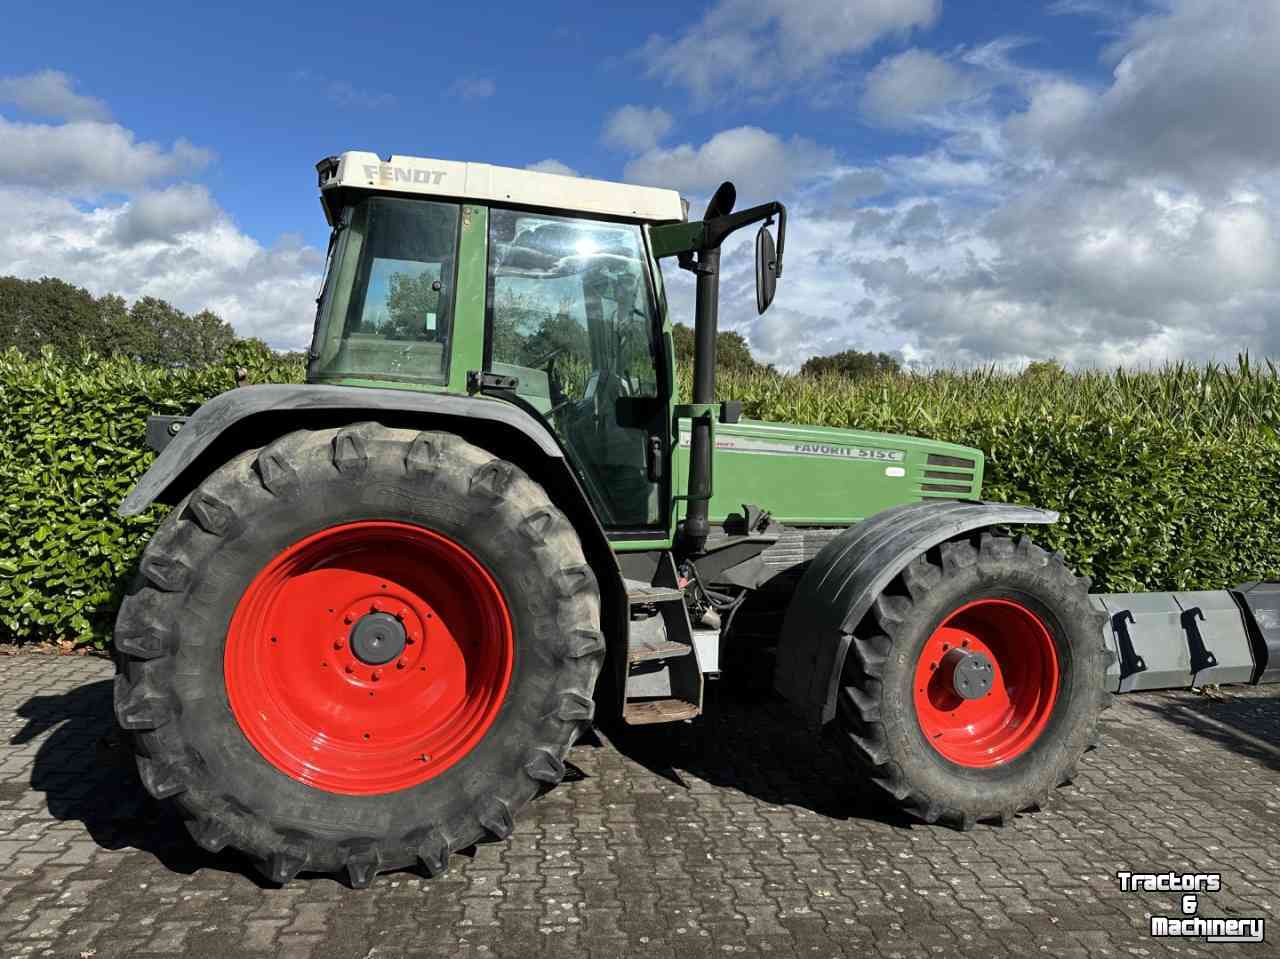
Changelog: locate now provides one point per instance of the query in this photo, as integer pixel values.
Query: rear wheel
(974, 684)
(358, 649)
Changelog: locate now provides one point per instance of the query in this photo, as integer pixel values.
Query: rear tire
(196, 635)
(948, 758)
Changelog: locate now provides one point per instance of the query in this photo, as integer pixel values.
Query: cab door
(571, 313)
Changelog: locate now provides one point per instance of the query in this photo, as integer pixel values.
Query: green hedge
(1168, 479)
(71, 447)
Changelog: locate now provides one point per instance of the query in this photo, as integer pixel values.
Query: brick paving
(739, 835)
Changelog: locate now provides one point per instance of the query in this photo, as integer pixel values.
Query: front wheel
(974, 684)
(358, 649)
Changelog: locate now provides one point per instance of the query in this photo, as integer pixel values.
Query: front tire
(974, 684)
(358, 649)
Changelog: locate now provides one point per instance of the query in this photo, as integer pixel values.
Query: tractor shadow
(1245, 724)
(87, 774)
(752, 742)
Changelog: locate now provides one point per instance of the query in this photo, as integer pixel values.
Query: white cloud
(760, 164)
(1090, 273)
(1194, 95)
(1124, 224)
(48, 93)
(848, 186)
(87, 156)
(1054, 115)
(754, 45)
(265, 292)
(636, 129)
(166, 214)
(474, 88)
(915, 81)
(345, 94)
(941, 168)
(551, 165)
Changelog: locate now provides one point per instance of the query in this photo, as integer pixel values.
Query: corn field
(1241, 401)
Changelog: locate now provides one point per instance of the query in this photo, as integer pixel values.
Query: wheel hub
(971, 673)
(377, 638)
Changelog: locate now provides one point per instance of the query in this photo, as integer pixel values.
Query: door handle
(653, 457)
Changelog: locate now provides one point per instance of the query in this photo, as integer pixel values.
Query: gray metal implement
(1188, 639)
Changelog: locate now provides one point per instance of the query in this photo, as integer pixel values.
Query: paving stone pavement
(740, 835)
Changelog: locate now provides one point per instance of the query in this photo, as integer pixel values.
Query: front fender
(849, 572)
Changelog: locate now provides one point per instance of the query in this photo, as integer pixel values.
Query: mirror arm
(683, 240)
(715, 231)
(782, 238)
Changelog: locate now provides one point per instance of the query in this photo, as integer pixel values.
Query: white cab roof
(499, 185)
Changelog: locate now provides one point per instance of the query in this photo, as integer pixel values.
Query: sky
(1002, 181)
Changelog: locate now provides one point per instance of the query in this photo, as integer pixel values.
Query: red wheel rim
(1004, 723)
(323, 715)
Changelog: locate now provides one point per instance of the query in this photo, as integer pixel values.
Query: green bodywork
(818, 476)
(802, 475)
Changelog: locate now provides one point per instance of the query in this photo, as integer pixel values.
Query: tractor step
(664, 675)
(658, 711)
(641, 595)
(646, 648)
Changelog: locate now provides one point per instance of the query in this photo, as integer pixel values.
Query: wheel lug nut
(375, 607)
(402, 664)
(350, 668)
(339, 643)
(348, 619)
(377, 674)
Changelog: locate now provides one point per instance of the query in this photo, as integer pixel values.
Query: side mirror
(766, 269)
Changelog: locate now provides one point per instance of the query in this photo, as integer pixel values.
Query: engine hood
(815, 475)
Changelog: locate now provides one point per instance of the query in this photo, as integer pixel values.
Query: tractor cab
(542, 289)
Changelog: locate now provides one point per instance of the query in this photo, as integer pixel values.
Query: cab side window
(395, 299)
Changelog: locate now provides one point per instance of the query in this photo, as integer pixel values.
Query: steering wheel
(558, 407)
(546, 358)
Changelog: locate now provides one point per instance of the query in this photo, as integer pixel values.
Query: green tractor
(387, 602)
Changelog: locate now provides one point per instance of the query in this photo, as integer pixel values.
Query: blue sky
(971, 182)
(271, 88)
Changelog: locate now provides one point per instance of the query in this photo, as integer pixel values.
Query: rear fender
(845, 577)
(253, 416)
(246, 410)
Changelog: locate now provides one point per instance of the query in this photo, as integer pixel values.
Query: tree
(682, 340)
(560, 334)
(411, 304)
(51, 312)
(733, 352)
(156, 325)
(121, 335)
(1049, 369)
(46, 312)
(209, 338)
(850, 363)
